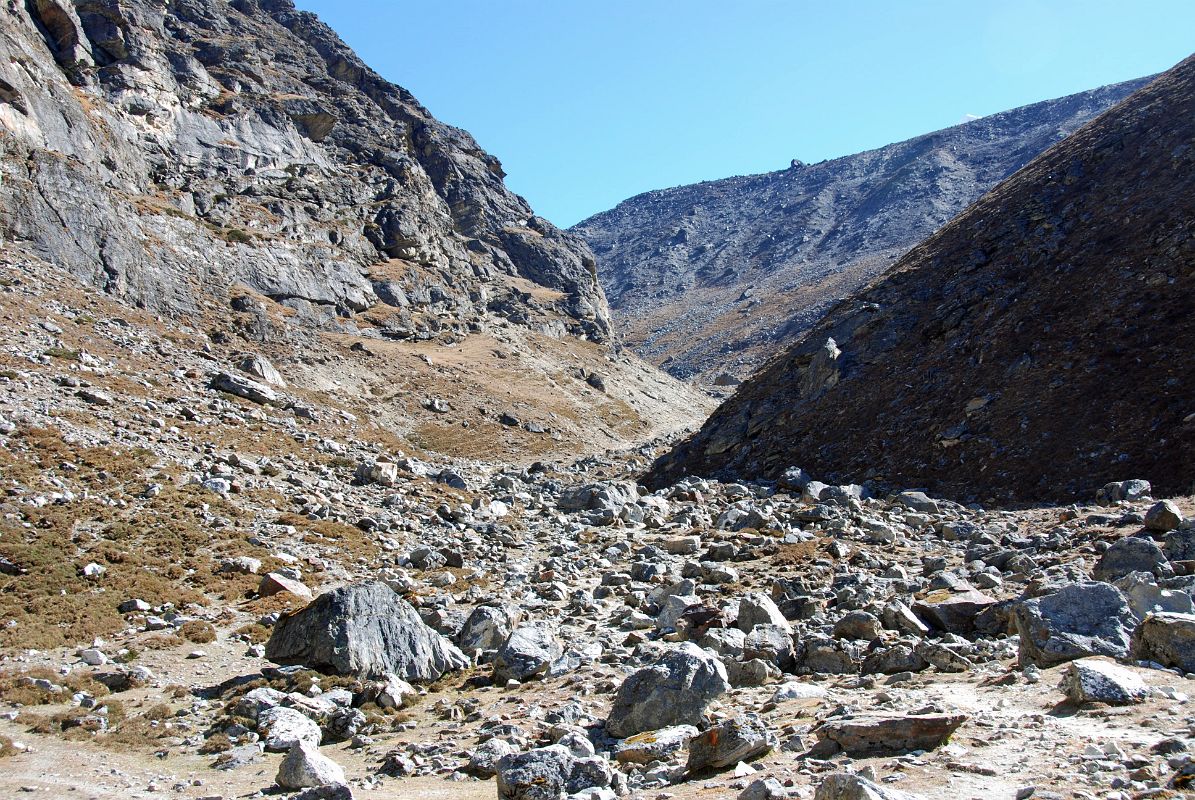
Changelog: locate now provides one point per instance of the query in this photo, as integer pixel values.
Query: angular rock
(1179, 545)
(275, 583)
(764, 789)
(675, 690)
(878, 735)
(739, 739)
(1077, 620)
(1130, 554)
(759, 609)
(848, 786)
(952, 612)
(1093, 680)
(1119, 491)
(261, 368)
(364, 630)
(657, 745)
(527, 652)
(306, 766)
(858, 625)
(483, 760)
(242, 387)
(487, 627)
(540, 774)
(773, 644)
(1163, 516)
(282, 727)
(1146, 597)
(1167, 639)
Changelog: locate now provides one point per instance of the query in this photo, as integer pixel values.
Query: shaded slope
(1037, 346)
(715, 276)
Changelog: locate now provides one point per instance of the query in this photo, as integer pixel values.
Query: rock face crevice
(716, 276)
(1036, 347)
(173, 154)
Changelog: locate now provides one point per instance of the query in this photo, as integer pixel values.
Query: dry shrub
(16, 687)
(254, 633)
(7, 748)
(162, 641)
(216, 743)
(198, 631)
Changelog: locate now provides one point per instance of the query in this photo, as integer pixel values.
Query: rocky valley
(709, 280)
(326, 476)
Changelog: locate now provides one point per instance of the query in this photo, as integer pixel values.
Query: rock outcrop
(185, 155)
(1035, 348)
(714, 277)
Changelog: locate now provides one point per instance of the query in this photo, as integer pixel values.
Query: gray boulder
(610, 496)
(1146, 597)
(1077, 620)
(1130, 554)
(364, 630)
(1167, 639)
(487, 627)
(759, 609)
(1093, 680)
(848, 786)
(306, 766)
(1163, 516)
(739, 739)
(1119, 491)
(527, 652)
(281, 728)
(773, 644)
(244, 388)
(1179, 545)
(541, 774)
(675, 690)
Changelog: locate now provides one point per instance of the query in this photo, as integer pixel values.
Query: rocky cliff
(1034, 348)
(715, 276)
(175, 154)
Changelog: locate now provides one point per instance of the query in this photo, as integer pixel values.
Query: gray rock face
(159, 134)
(1080, 619)
(675, 690)
(527, 652)
(1091, 680)
(735, 740)
(1145, 596)
(802, 238)
(1168, 639)
(1130, 554)
(1163, 516)
(365, 630)
(1179, 545)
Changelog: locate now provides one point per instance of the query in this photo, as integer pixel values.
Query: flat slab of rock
(952, 612)
(275, 583)
(649, 746)
(364, 630)
(1093, 680)
(1078, 620)
(880, 735)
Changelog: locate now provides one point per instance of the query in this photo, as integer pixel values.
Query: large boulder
(675, 690)
(1167, 639)
(540, 774)
(306, 766)
(281, 728)
(848, 786)
(738, 739)
(952, 612)
(1094, 680)
(1130, 554)
(527, 652)
(759, 609)
(1077, 620)
(610, 496)
(1163, 516)
(488, 627)
(365, 630)
(1146, 597)
(878, 735)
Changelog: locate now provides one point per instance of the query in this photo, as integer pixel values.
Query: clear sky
(588, 102)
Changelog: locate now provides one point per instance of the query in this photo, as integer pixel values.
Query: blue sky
(587, 103)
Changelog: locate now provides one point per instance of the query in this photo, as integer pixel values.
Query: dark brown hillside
(1039, 345)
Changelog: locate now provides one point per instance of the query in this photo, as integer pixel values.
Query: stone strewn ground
(716, 276)
(1034, 348)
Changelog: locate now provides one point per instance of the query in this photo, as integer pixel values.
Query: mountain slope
(713, 276)
(236, 169)
(1034, 348)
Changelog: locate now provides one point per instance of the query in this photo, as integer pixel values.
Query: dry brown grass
(160, 550)
(198, 631)
(16, 687)
(7, 748)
